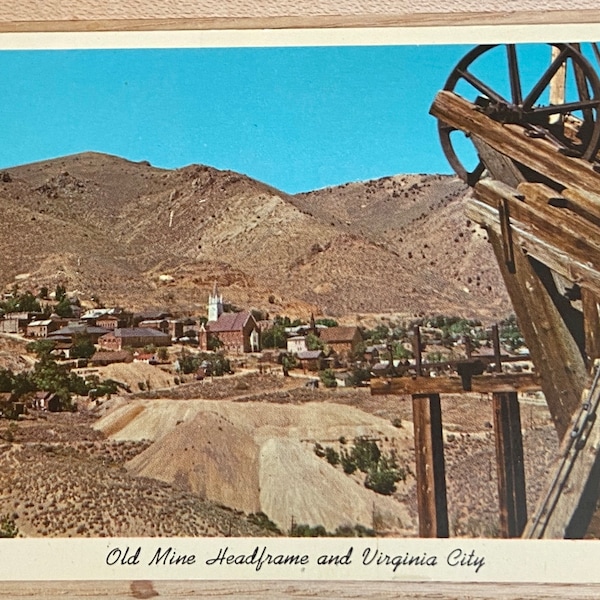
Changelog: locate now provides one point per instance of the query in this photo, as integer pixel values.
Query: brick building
(133, 337)
(237, 332)
(343, 341)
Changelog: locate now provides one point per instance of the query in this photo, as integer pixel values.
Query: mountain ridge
(108, 227)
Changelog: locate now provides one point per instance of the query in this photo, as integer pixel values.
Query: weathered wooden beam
(591, 324)
(500, 167)
(571, 496)
(529, 243)
(510, 464)
(430, 466)
(569, 233)
(584, 203)
(553, 349)
(511, 140)
(481, 384)
(550, 205)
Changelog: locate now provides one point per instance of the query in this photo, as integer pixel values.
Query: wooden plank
(571, 496)
(568, 233)
(500, 167)
(509, 464)
(557, 85)
(481, 384)
(430, 466)
(550, 204)
(584, 203)
(510, 140)
(553, 349)
(138, 15)
(531, 244)
(417, 349)
(591, 322)
(276, 590)
(505, 229)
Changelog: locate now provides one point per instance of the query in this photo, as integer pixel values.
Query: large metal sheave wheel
(561, 104)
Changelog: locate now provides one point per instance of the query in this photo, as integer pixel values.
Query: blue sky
(296, 118)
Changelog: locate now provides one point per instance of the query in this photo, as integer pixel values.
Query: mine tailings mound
(259, 457)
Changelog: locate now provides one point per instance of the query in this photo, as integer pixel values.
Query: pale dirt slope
(260, 457)
(296, 484)
(208, 456)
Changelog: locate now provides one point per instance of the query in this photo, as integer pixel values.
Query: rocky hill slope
(139, 236)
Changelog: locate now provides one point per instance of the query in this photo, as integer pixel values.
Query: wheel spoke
(445, 128)
(515, 79)
(541, 85)
(482, 87)
(596, 52)
(559, 109)
(475, 175)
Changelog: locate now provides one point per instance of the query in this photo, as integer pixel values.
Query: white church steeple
(215, 304)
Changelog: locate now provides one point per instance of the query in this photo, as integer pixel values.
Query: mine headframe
(532, 126)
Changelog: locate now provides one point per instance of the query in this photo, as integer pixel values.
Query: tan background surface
(33, 15)
(78, 15)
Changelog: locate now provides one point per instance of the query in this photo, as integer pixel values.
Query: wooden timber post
(430, 466)
(591, 324)
(510, 467)
(417, 350)
(552, 331)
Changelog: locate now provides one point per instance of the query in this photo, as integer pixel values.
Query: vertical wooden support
(430, 466)
(418, 350)
(591, 325)
(509, 460)
(554, 350)
(497, 351)
(468, 346)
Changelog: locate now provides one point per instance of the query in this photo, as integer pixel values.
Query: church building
(236, 333)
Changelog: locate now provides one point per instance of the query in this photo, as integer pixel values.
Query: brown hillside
(110, 228)
(441, 262)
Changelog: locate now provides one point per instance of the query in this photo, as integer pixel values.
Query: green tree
(400, 352)
(40, 347)
(327, 376)
(327, 322)
(377, 335)
(274, 337)
(22, 384)
(214, 343)
(7, 380)
(25, 302)
(52, 377)
(60, 292)
(359, 375)
(314, 342)
(82, 346)
(64, 308)
(509, 333)
(288, 362)
(188, 362)
(382, 480)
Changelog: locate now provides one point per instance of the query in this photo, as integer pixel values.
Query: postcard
(304, 310)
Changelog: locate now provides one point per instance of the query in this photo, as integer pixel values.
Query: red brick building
(237, 332)
(343, 341)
